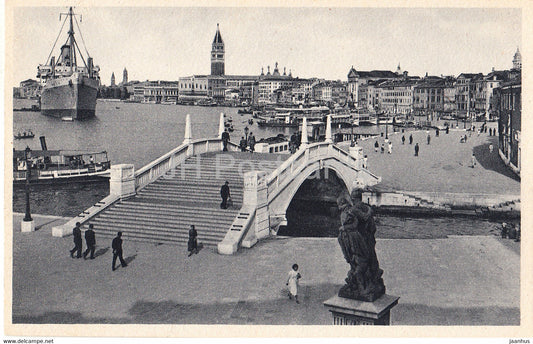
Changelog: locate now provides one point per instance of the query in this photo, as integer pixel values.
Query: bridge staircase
(162, 211)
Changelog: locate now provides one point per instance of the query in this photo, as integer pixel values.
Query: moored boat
(69, 89)
(54, 166)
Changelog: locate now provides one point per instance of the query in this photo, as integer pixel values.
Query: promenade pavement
(442, 166)
(460, 280)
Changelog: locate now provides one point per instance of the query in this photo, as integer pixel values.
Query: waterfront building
(428, 97)
(449, 96)
(27, 89)
(269, 83)
(508, 105)
(194, 88)
(396, 96)
(483, 92)
(217, 54)
(161, 92)
(358, 78)
(464, 93)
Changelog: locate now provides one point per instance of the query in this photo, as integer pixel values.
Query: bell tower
(217, 54)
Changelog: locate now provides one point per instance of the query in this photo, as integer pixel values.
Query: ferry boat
(69, 89)
(55, 166)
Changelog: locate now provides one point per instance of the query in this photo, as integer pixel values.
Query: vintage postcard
(265, 169)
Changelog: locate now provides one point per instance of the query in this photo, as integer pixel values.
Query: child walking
(292, 282)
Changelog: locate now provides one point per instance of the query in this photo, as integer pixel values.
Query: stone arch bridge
(159, 202)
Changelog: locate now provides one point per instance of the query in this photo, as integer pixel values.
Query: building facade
(509, 107)
(396, 96)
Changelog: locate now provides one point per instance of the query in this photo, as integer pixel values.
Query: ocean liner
(70, 84)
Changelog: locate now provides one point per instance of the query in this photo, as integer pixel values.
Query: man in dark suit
(224, 193)
(116, 245)
(76, 232)
(225, 140)
(90, 240)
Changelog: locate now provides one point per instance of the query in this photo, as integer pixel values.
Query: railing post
(122, 180)
(188, 132)
(328, 130)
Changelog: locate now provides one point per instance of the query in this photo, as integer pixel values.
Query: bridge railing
(170, 160)
(300, 159)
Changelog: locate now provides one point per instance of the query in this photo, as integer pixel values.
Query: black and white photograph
(322, 168)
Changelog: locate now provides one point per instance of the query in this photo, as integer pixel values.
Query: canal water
(139, 133)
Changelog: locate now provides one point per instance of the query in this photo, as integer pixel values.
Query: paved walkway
(467, 280)
(443, 165)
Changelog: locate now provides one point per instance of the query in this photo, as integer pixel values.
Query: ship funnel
(43, 143)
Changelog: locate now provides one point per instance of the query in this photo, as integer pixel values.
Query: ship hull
(73, 96)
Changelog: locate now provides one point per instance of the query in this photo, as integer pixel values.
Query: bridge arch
(280, 203)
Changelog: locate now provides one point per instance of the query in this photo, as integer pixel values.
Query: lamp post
(27, 224)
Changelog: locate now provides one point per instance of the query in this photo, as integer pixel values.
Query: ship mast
(71, 39)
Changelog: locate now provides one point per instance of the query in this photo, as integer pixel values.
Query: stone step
(155, 239)
(200, 195)
(186, 187)
(166, 221)
(220, 213)
(158, 231)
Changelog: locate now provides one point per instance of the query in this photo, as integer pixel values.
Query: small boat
(245, 111)
(25, 135)
(67, 119)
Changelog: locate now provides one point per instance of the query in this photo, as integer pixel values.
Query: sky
(165, 43)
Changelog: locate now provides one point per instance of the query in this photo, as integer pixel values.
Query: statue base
(354, 312)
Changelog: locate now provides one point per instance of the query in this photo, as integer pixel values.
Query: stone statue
(357, 241)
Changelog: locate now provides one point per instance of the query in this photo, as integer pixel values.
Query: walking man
(390, 147)
(224, 193)
(192, 244)
(376, 146)
(429, 139)
(410, 139)
(251, 142)
(417, 148)
(116, 245)
(473, 160)
(225, 140)
(242, 144)
(90, 240)
(403, 139)
(491, 148)
(76, 233)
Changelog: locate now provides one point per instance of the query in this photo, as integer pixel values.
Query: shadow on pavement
(101, 252)
(418, 314)
(281, 311)
(129, 259)
(492, 161)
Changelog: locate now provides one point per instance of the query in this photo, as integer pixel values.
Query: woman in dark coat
(192, 245)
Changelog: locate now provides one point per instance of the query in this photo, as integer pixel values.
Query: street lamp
(27, 224)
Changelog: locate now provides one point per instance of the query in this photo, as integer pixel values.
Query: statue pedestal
(354, 312)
